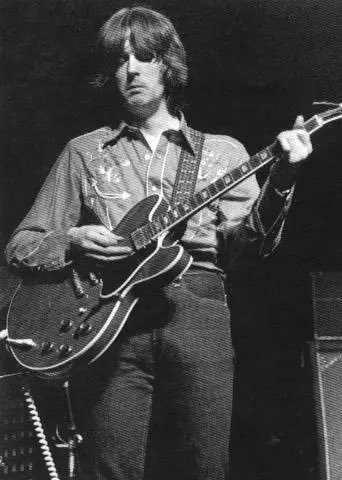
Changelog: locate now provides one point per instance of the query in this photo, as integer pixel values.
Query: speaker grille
(327, 362)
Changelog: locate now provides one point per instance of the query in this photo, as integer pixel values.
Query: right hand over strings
(96, 241)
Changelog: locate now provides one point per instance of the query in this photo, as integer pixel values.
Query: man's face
(139, 82)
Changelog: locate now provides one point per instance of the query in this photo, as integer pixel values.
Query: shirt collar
(123, 128)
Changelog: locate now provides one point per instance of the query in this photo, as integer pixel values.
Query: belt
(204, 256)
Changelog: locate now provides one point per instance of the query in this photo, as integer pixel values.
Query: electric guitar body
(55, 328)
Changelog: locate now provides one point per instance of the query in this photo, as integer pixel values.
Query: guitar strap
(187, 170)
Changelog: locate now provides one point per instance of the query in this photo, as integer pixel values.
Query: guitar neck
(180, 212)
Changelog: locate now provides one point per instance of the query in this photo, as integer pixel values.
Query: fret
(236, 174)
(197, 198)
(212, 189)
(255, 161)
(311, 124)
(220, 184)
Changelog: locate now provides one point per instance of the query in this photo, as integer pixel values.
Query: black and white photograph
(170, 240)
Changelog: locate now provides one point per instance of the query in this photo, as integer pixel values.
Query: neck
(155, 123)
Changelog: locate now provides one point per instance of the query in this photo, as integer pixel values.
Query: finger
(110, 235)
(118, 250)
(100, 229)
(118, 237)
(299, 122)
(105, 258)
(107, 233)
(109, 250)
(102, 238)
(284, 142)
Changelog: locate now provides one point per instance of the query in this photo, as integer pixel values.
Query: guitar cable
(39, 430)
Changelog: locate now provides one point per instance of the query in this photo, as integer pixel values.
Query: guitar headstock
(322, 118)
(331, 114)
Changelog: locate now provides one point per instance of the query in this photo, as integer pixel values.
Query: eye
(145, 56)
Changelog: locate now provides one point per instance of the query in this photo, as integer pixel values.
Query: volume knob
(47, 347)
(65, 350)
(65, 325)
(83, 329)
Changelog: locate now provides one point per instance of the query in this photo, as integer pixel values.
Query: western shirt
(101, 175)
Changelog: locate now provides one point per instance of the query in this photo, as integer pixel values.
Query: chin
(141, 107)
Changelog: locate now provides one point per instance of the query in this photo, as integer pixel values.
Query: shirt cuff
(49, 252)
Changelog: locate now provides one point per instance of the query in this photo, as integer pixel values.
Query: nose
(132, 64)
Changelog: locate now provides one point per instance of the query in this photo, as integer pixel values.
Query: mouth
(134, 87)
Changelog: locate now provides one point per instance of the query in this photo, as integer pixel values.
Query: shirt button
(147, 156)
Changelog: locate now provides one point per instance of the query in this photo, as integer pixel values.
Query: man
(158, 403)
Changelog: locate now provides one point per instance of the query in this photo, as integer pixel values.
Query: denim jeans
(158, 404)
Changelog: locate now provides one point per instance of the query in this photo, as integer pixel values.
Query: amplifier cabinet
(326, 357)
(327, 304)
(20, 455)
(327, 367)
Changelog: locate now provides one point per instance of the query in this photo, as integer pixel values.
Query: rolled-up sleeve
(41, 241)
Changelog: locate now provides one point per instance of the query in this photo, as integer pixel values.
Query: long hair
(151, 34)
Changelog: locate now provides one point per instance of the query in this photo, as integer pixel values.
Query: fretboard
(178, 213)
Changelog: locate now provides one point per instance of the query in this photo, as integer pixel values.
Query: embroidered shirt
(101, 175)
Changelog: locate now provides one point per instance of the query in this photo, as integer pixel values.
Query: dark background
(254, 66)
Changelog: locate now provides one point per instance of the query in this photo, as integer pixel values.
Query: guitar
(55, 320)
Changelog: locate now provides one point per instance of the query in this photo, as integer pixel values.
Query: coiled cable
(38, 427)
